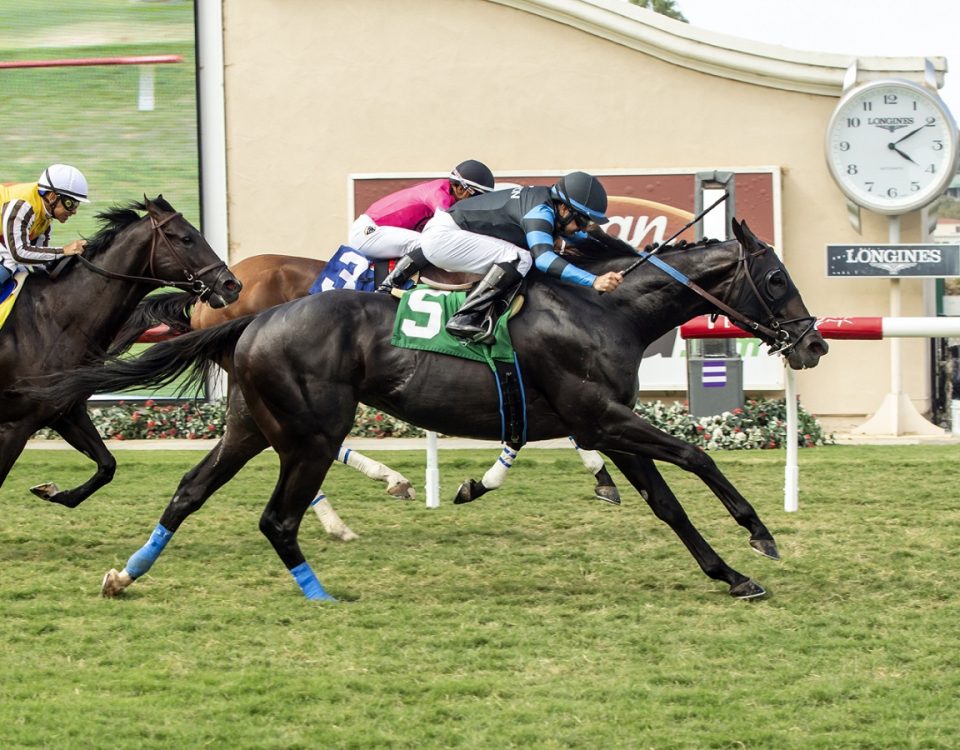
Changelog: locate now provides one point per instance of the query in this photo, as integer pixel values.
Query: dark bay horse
(269, 280)
(56, 325)
(578, 351)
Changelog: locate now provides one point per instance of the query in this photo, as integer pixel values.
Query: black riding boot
(475, 320)
(406, 267)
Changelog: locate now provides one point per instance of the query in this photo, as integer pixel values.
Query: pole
(791, 482)
(897, 415)
(433, 471)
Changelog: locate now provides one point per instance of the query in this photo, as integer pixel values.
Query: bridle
(193, 283)
(778, 338)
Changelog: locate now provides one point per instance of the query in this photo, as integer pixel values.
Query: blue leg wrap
(318, 499)
(141, 560)
(308, 582)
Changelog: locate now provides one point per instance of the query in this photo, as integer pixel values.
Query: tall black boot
(475, 320)
(406, 267)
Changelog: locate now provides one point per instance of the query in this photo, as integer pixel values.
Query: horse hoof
(114, 582)
(346, 534)
(765, 547)
(608, 493)
(402, 489)
(46, 491)
(469, 491)
(749, 589)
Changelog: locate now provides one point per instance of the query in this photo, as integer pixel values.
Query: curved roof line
(720, 55)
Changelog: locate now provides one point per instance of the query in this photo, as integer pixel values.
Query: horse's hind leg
(242, 441)
(643, 475)
(397, 484)
(76, 427)
(606, 489)
(302, 470)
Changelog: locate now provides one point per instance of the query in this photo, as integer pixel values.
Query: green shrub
(762, 423)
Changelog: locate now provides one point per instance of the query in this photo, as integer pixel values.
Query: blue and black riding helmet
(583, 194)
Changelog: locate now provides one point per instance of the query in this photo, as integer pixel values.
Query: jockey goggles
(70, 204)
(474, 188)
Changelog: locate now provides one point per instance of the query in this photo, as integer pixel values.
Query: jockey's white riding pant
(448, 246)
(381, 243)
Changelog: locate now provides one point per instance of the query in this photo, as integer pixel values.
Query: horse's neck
(650, 295)
(98, 305)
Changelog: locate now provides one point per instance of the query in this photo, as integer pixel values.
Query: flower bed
(760, 424)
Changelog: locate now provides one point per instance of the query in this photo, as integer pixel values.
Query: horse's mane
(601, 248)
(115, 219)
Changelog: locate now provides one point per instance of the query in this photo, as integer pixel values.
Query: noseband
(193, 281)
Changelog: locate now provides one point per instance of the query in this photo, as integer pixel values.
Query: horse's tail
(191, 356)
(171, 309)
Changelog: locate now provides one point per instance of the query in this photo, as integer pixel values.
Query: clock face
(891, 146)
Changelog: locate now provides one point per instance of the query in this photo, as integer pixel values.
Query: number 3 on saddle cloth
(9, 291)
(349, 269)
(421, 316)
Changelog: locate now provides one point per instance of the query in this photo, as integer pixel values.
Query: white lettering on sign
(894, 255)
(637, 234)
(424, 301)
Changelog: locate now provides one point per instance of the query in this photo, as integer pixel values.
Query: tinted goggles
(71, 204)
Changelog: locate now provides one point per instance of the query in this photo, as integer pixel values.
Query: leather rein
(193, 283)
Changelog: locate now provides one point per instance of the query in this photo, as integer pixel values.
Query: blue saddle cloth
(347, 269)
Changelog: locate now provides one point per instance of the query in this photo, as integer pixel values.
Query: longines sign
(900, 261)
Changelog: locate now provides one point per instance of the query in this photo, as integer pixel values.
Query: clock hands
(912, 132)
(893, 147)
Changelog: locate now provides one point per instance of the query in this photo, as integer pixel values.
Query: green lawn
(532, 618)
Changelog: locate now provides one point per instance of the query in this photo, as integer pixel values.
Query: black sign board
(893, 261)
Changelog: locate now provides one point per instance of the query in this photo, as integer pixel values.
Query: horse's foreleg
(606, 489)
(76, 427)
(332, 523)
(242, 441)
(397, 484)
(648, 481)
(638, 436)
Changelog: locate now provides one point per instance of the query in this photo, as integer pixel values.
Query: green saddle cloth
(422, 315)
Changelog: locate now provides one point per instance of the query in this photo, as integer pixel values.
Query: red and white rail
(145, 97)
(896, 408)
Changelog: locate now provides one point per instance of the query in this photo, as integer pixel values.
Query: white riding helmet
(64, 180)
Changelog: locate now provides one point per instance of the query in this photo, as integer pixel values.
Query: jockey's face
(64, 208)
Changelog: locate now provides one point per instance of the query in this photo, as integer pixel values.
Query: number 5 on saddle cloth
(421, 316)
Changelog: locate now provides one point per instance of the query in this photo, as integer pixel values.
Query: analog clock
(892, 146)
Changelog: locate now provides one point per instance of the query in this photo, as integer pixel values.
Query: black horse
(57, 325)
(579, 354)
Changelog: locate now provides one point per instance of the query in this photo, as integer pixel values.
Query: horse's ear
(737, 230)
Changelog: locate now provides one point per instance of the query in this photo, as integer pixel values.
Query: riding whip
(676, 234)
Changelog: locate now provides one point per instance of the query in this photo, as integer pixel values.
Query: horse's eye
(776, 284)
(187, 239)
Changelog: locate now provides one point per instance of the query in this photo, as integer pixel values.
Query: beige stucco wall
(318, 90)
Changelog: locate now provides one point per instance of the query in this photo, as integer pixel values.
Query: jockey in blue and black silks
(505, 233)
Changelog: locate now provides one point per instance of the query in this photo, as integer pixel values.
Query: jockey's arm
(17, 218)
(538, 226)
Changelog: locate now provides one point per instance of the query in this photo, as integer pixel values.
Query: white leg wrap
(332, 523)
(591, 459)
(369, 467)
(495, 475)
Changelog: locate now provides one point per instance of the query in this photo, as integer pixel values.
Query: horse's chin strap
(193, 283)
